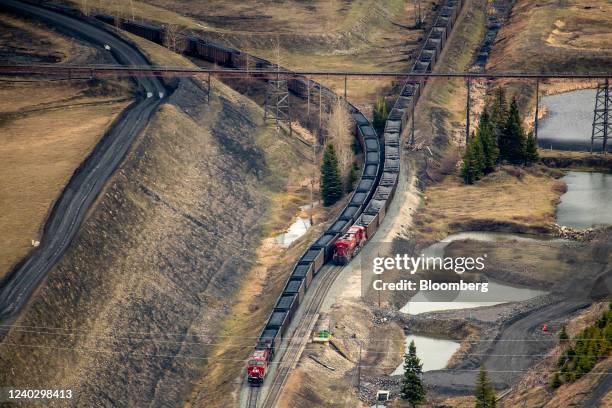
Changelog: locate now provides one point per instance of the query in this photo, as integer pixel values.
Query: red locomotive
(349, 244)
(257, 367)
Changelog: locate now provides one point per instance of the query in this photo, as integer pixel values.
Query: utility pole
(312, 181)
(345, 87)
(535, 120)
(308, 103)
(277, 105)
(359, 369)
(411, 142)
(418, 20)
(208, 97)
(320, 98)
(467, 116)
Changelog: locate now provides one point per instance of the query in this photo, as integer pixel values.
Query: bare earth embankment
(48, 128)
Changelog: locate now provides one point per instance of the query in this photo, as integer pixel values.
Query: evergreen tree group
(499, 138)
(381, 113)
(591, 345)
(331, 181)
(484, 393)
(412, 385)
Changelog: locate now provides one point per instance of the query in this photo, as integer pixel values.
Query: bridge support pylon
(602, 127)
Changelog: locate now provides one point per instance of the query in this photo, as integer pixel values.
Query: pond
(497, 292)
(568, 121)
(587, 200)
(433, 352)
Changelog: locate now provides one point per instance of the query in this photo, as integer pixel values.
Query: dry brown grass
(47, 129)
(321, 35)
(573, 35)
(526, 199)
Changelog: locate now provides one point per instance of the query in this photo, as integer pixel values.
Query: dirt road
(516, 349)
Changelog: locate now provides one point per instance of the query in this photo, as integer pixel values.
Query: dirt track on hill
(89, 179)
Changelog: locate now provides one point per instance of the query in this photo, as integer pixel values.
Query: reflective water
(587, 201)
(568, 121)
(434, 353)
(497, 292)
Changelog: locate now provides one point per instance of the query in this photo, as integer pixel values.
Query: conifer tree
(485, 396)
(499, 111)
(531, 149)
(512, 139)
(488, 141)
(331, 182)
(563, 333)
(473, 161)
(380, 114)
(555, 382)
(412, 385)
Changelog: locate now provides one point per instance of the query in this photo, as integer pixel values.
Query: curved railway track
(368, 203)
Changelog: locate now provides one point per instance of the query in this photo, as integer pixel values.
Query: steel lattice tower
(602, 127)
(277, 107)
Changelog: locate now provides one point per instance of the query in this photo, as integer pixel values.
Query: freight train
(366, 209)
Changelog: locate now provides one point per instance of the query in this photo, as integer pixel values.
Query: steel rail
(89, 71)
(253, 397)
(300, 336)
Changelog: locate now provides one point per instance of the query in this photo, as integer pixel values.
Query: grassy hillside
(555, 36)
(48, 128)
(321, 34)
(135, 307)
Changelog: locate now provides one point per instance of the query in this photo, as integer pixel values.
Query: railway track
(300, 337)
(253, 397)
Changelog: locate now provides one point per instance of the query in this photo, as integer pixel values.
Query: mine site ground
(115, 280)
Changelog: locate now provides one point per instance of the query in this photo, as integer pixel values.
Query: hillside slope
(128, 317)
(48, 128)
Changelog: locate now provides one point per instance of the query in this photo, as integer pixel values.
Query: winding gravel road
(520, 344)
(88, 180)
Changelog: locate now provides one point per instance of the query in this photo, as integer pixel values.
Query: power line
(96, 70)
(74, 332)
(101, 351)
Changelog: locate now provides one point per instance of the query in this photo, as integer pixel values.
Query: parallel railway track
(300, 336)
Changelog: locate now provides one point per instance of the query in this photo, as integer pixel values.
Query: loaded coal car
(295, 287)
(300, 87)
(303, 271)
(325, 243)
(150, 32)
(214, 53)
(369, 222)
(350, 212)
